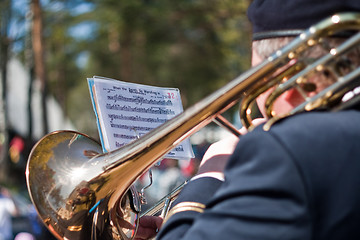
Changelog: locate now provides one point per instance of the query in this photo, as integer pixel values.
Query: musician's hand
(148, 227)
(218, 154)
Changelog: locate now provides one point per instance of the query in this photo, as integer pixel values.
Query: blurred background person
(7, 210)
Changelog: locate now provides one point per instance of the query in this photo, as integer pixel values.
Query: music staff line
(135, 128)
(152, 110)
(136, 118)
(139, 100)
(179, 148)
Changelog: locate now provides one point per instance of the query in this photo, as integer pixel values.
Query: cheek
(283, 104)
(286, 102)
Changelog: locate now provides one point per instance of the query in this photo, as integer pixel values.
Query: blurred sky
(21, 7)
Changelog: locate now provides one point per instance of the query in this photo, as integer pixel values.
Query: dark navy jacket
(300, 180)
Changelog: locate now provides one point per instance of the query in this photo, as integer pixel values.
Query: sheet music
(126, 111)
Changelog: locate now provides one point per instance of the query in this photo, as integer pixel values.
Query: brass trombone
(80, 193)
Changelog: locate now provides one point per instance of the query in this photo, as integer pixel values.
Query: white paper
(126, 111)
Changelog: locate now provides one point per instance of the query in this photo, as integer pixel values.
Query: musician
(299, 180)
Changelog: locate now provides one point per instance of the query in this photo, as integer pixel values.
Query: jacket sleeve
(263, 197)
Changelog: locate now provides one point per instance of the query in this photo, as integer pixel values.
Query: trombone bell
(73, 192)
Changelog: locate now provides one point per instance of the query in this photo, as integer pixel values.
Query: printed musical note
(152, 110)
(136, 118)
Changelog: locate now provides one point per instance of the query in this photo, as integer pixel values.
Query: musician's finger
(148, 227)
(151, 221)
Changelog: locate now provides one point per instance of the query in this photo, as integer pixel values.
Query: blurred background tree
(5, 16)
(194, 45)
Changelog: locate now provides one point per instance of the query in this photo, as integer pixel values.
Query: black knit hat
(277, 18)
